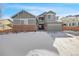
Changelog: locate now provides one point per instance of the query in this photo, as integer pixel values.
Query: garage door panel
(54, 27)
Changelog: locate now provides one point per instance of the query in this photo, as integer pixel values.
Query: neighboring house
(5, 25)
(23, 22)
(48, 21)
(71, 23)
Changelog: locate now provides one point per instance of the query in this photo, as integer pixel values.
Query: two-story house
(48, 21)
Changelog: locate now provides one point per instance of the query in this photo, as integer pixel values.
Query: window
(16, 21)
(78, 23)
(41, 18)
(25, 21)
(69, 24)
(22, 22)
(49, 16)
(73, 24)
(31, 21)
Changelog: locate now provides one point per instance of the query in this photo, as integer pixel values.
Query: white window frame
(25, 21)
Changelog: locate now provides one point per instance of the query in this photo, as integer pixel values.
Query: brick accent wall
(76, 28)
(24, 28)
(6, 31)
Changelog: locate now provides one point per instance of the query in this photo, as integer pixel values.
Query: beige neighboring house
(5, 25)
(48, 21)
(71, 22)
(24, 22)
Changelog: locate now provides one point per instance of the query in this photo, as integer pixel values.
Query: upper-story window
(49, 16)
(41, 18)
(78, 23)
(69, 24)
(73, 24)
(21, 22)
(16, 21)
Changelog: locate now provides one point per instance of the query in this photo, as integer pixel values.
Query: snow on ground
(67, 46)
(19, 44)
(76, 33)
(41, 52)
(58, 34)
(39, 43)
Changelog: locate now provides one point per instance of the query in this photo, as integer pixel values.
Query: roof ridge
(51, 12)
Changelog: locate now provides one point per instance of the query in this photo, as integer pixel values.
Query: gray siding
(17, 22)
(32, 21)
(54, 27)
(25, 21)
(52, 18)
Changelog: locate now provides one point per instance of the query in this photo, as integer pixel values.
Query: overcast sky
(61, 9)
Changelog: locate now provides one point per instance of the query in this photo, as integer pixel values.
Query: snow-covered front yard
(19, 44)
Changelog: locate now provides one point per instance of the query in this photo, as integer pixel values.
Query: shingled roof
(44, 13)
(23, 11)
(51, 12)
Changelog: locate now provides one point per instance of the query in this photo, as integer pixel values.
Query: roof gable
(51, 12)
(44, 13)
(41, 15)
(23, 14)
